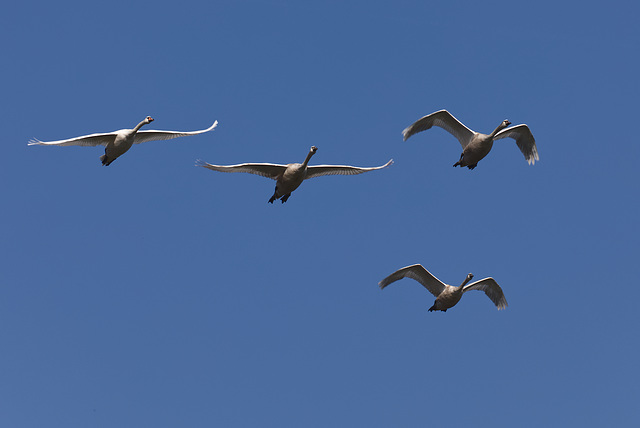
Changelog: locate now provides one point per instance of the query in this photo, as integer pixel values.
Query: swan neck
(466, 280)
(306, 161)
(138, 126)
(498, 129)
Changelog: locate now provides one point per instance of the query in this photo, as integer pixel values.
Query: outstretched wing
(420, 274)
(491, 289)
(444, 120)
(524, 139)
(143, 136)
(268, 170)
(101, 139)
(318, 170)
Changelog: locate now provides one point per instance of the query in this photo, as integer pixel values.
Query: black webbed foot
(285, 197)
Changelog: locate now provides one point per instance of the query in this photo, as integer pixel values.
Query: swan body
(118, 142)
(447, 296)
(289, 177)
(475, 145)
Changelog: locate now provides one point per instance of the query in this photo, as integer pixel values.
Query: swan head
(148, 119)
(313, 150)
(505, 123)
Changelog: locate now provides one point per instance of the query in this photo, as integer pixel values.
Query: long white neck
(306, 161)
(138, 126)
(498, 129)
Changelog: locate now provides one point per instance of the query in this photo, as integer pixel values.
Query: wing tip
(406, 133)
(34, 142)
(533, 158)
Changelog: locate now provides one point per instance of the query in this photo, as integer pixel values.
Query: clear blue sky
(154, 293)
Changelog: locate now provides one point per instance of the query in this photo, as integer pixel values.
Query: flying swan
(118, 142)
(289, 177)
(475, 145)
(447, 295)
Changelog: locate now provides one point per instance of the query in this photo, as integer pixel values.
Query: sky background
(154, 293)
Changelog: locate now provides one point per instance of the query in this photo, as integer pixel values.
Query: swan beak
(150, 119)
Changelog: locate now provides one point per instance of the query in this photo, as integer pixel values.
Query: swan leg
(472, 166)
(459, 161)
(285, 197)
(275, 195)
(105, 160)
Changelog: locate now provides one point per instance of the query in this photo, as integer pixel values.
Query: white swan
(289, 177)
(118, 142)
(447, 295)
(475, 145)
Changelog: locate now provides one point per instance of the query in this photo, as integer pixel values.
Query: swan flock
(288, 177)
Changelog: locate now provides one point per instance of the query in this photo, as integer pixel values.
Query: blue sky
(155, 293)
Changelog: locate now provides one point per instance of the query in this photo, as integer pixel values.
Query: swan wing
(444, 120)
(143, 136)
(318, 170)
(101, 139)
(420, 274)
(491, 289)
(269, 170)
(524, 139)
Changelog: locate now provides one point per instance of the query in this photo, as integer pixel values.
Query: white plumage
(289, 177)
(475, 145)
(447, 296)
(118, 142)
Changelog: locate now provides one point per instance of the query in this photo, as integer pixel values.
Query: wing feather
(145, 135)
(268, 170)
(101, 139)
(320, 170)
(418, 273)
(491, 289)
(524, 139)
(444, 120)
